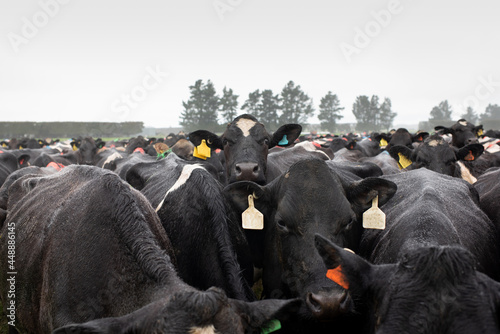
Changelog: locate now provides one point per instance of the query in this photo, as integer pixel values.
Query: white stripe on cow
(203, 330)
(112, 158)
(309, 146)
(185, 174)
(245, 125)
(465, 173)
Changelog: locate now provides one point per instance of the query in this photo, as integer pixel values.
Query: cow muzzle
(247, 171)
(326, 306)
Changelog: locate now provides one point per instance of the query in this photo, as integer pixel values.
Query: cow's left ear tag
(283, 141)
(338, 277)
(252, 218)
(202, 151)
(404, 161)
(479, 132)
(74, 147)
(383, 143)
(374, 218)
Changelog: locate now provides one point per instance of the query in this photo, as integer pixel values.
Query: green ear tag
(202, 151)
(283, 141)
(271, 326)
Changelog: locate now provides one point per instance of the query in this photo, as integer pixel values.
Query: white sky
(80, 62)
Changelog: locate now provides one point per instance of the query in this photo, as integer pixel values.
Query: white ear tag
(252, 218)
(374, 217)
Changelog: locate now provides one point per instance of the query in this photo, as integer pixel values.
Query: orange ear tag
(469, 157)
(338, 277)
(202, 151)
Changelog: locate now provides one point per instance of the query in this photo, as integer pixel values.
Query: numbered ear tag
(374, 218)
(404, 161)
(383, 143)
(252, 218)
(202, 151)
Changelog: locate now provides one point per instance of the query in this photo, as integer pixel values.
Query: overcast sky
(124, 60)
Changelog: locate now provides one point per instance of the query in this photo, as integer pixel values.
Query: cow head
(462, 132)
(294, 209)
(433, 289)
(86, 150)
(246, 143)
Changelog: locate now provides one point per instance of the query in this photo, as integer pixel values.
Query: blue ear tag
(283, 141)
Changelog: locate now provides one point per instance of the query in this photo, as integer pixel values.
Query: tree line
(442, 115)
(205, 109)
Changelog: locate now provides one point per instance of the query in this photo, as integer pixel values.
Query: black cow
(488, 187)
(294, 210)
(191, 207)
(437, 155)
(429, 290)
(103, 264)
(404, 138)
(463, 133)
(246, 143)
(85, 153)
(433, 209)
(10, 163)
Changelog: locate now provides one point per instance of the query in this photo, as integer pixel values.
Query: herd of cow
(146, 235)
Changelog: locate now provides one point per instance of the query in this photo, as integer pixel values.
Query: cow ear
(265, 313)
(470, 152)
(402, 154)
(361, 193)
(211, 139)
(23, 160)
(443, 130)
(343, 267)
(237, 194)
(134, 177)
(351, 145)
(285, 135)
(420, 137)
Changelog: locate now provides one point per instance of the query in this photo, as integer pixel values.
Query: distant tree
(200, 111)
(442, 112)
(364, 113)
(329, 112)
(228, 105)
(253, 104)
(491, 113)
(269, 108)
(386, 115)
(296, 106)
(470, 115)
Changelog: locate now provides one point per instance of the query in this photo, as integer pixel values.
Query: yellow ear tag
(202, 151)
(4, 145)
(403, 161)
(252, 218)
(374, 218)
(383, 142)
(74, 147)
(480, 132)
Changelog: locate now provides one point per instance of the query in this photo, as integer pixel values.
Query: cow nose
(471, 141)
(248, 171)
(327, 306)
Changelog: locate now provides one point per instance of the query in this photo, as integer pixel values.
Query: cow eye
(266, 141)
(224, 142)
(281, 225)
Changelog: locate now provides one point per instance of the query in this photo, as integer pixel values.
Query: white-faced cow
(246, 143)
(92, 256)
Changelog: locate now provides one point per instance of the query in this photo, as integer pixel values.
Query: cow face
(437, 155)
(246, 143)
(463, 133)
(430, 290)
(86, 151)
(305, 200)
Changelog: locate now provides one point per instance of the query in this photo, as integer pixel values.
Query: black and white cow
(463, 133)
(103, 264)
(433, 289)
(246, 143)
(309, 198)
(192, 210)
